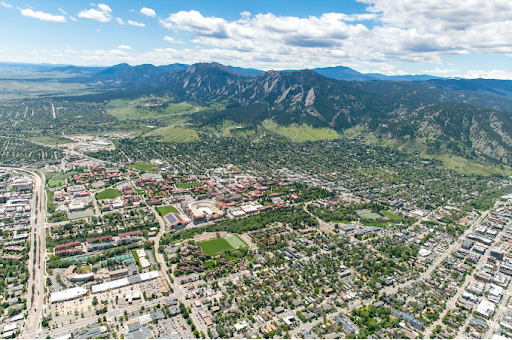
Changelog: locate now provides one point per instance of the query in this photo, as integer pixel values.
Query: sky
(469, 38)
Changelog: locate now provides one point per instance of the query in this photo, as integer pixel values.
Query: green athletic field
(219, 245)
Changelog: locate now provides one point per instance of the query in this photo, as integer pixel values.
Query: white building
(485, 309)
(68, 294)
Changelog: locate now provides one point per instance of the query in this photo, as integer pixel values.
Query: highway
(37, 253)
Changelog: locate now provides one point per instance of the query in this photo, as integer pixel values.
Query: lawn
(109, 193)
(236, 242)
(389, 215)
(189, 185)
(58, 181)
(143, 166)
(50, 205)
(215, 246)
(370, 216)
(219, 245)
(167, 209)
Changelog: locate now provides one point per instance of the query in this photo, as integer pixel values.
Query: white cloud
(94, 14)
(103, 55)
(493, 74)
(102, 14)
(69, 50)
(440, 71)
(98, 30)
(387, 33)
(172, 40)
(120, 21)
(124, 47)
(42, 16)
(104, 8)
(72, 18)
(148, 12)
(6, 5)
(57, 55)
(399, 31)
(62, 11)
(135, 23)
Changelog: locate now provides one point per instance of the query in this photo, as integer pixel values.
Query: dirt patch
(209, 236)
(326, 229)
(248, 240)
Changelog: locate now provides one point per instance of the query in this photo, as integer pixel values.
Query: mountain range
(125, 72)
(468, 118)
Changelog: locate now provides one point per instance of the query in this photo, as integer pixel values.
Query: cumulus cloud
(120, 21)
(437, 70)
(62, 11)
(398, 31)
(493, 74)
(102, 14)
(172, 40)
(42, 16)
(148, 12)
(387, 32)
(73, 19)
(94, 14)
(135, 23)
(124, 47)
(6, 5)
(104, 7)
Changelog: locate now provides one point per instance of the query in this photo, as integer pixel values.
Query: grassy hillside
(300, 133)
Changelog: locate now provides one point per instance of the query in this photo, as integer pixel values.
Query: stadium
(201, 211)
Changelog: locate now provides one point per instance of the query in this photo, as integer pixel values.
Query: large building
(201, 211)
(174, 220)
(68, 294)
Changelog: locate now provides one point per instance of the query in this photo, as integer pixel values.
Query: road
(451, 303)
(440, 259)
(36, 264)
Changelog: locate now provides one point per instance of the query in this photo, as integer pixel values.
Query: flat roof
(102, 287)
(68, 294)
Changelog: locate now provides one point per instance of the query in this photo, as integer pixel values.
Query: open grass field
(236, 242)
(146, 107)
(189, 185)
(301, 133)
(370, 216)
(215, 246)
(60, 180)
(50, 140)
(162, 211)
(219, 245)
(16, 89)
(143, 166)
(109, 193)
(176, 134)
(389, 215)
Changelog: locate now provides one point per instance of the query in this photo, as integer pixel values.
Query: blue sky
(441, 37)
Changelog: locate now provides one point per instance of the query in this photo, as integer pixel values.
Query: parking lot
(174, 325)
